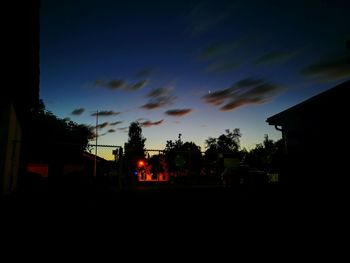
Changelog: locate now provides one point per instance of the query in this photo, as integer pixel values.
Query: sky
(190, 67)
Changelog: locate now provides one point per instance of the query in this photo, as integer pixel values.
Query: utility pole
(95, 166)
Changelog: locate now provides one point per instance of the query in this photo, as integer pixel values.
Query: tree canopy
(266, 156)
(48, 137)
(136, 141)
(225, 143)
(182, 156)
(134, 150)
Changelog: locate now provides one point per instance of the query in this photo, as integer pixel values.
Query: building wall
(316, 150)
(20, 83)
(10, 148)
(317, 141)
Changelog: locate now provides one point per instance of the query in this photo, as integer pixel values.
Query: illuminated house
(20, 90)
(316, 138)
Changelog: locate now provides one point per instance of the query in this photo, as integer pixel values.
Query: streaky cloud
(102, 125)
(136, 86)
(222, 66)
(124, 129)
(158, 103)
(78, 111)
(106, 113)
(148, 124)
(115, 123)
(244, 92)
(111, 84)
(119, 84)
(178, 112)
(144, 73)
(275, 57)
(248, 82)
(158, 98)
(215, 50)
(334, 69)
(206, 16)
(159, 92)
(218, 97)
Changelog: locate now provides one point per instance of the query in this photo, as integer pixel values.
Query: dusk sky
(190, 67)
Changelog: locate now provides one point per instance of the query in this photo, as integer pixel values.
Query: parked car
(243, 175)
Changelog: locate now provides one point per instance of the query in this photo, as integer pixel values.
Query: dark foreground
(159, 195)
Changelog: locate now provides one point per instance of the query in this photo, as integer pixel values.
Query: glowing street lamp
(140, 164)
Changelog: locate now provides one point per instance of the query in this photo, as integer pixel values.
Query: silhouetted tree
(266, 156)
(49, 138)
(226, 145)
(193, 157)
(172, 150)
(134, 148)
(136, 142)
(183, 157)
(229, 142)
(53, 141)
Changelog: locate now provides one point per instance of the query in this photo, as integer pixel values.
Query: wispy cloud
(159, 92)
(111, 84)
(141, 120)
(207, 15)
(124, 129)
(248, 82)
(78, 111)
(334, 69)
(144, 73)
(136, 86)
(115, 123)
(158, 98)
(106, 113)
(224, 56)
(178, 112)
(148, 124)
(102, 125)
(215, 50)
(275, 57)
(218, 97)
(119, 84)
(243, 92)
(222, 66)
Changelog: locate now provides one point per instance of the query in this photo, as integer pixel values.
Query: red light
(140, 163)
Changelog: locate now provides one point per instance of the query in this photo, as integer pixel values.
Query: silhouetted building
(20, 91)
(84, 164)
(316, 139)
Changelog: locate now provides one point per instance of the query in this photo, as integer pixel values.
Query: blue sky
(190, 67)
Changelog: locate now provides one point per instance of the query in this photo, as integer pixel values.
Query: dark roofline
(326, 95)
(92, 157)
